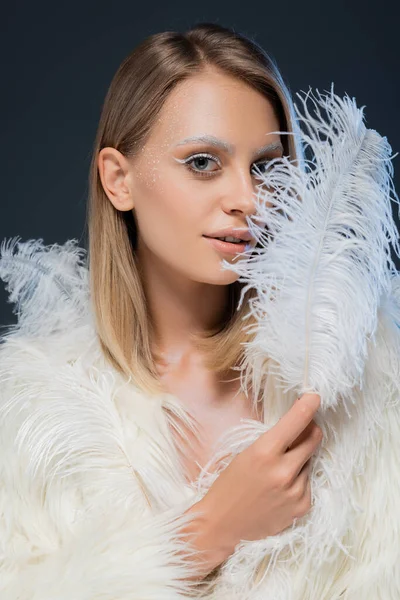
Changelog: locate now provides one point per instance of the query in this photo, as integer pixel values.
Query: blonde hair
(135, 96)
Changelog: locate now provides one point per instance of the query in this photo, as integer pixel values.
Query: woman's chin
(221, 277)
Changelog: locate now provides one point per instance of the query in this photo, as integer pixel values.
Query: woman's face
(179, 195)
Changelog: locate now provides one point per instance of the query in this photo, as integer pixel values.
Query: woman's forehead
(202, 109)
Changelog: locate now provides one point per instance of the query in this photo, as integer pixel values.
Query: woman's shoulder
(66, 415)
(52, 369)
(48, 286)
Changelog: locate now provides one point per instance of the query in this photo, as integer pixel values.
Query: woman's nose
(241, 195)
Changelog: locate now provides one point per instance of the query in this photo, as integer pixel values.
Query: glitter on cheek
(154, 166)
(147, 168)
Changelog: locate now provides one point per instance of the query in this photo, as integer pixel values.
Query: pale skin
(186, 288)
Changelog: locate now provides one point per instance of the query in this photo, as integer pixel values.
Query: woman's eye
(200, 162)
(259, 166)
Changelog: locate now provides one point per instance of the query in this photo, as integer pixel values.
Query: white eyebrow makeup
(214, 141)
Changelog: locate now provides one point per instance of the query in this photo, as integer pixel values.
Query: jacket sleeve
(110, 558)
(71, 526)
(374, 571)
(61, 535)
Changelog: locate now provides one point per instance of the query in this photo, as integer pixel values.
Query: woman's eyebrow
(230, 148)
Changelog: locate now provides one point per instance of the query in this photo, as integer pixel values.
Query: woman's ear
(115, 176)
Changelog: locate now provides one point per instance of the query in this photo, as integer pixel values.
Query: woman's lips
(228, 247)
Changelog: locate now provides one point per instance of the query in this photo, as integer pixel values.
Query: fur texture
(75, 521)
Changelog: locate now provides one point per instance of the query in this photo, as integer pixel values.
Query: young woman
(120, 379)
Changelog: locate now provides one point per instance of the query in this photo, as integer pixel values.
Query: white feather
(321, 271)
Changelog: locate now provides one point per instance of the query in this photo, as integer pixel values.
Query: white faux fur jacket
(91, 491)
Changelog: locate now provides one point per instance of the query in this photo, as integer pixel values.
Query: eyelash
(193, 157)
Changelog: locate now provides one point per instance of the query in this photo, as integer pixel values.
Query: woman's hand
(267, 485)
